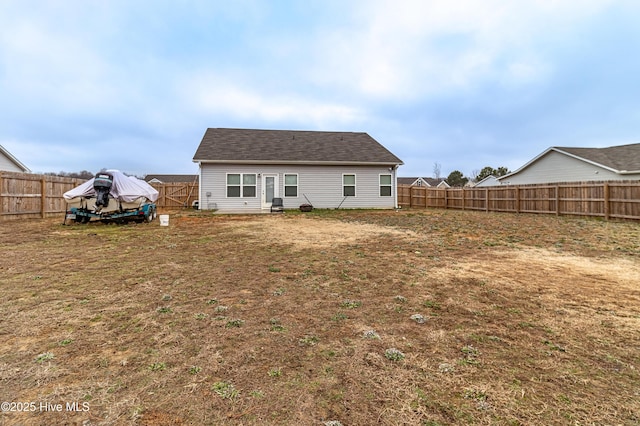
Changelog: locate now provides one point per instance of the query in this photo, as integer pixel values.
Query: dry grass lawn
(419, 317)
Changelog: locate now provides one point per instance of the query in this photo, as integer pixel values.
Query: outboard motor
(102, 185)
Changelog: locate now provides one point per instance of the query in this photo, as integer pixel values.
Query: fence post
(43, 198)
(486, 199)
(517, 199)
(557, 200)
(606, 201)
(463, 201)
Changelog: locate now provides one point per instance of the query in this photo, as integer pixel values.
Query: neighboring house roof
(11, 160)
(490, 180)
(171, 178)
(422, 181)
(249, 146)
(436, 182)
(621, 159)
(411, 181)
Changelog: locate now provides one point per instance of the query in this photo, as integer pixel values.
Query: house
(412, 181)
(423, 181)
(245, 169)
(490, 180)
(171, 178)
(569, 164)
(438, 183)
(9, 163)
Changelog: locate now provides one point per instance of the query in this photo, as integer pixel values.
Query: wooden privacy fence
(610, 200)
(32, 196)
(26, 196)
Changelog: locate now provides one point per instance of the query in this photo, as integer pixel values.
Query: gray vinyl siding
(7, 165)
(322, 185)
(557, 167)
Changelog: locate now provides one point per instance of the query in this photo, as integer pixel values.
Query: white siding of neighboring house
(321, 184)
(488, 181)
(7, 165)
(557, 167)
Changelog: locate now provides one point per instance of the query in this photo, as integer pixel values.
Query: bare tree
(436, 170)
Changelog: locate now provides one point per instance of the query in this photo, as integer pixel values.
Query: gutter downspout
(394, 179)
(200, 199)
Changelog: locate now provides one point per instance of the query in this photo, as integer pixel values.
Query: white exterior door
(269, 189)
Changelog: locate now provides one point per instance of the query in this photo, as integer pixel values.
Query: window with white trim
(290, 185)
(241, 185)
(349, 185)
(385, 185)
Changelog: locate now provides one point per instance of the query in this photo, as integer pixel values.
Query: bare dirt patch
(418, 317)
(309, 232)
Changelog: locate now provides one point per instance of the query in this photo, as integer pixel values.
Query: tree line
(84, 174)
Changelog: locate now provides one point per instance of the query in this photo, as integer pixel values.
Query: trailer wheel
(152, 215)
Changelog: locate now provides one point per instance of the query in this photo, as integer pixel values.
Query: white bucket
(164, 220)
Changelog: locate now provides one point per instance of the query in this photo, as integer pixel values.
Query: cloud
(469, 80)
(214, 95)
(46, 65)
(405, 50)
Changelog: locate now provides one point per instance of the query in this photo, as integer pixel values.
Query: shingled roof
(621, 158)
(172, 178)
(248, 146)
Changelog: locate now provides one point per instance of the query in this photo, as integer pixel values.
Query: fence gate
(176, 195)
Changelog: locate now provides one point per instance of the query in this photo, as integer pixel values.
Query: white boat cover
(125, 188)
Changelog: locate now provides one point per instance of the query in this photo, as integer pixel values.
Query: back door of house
(269, 189)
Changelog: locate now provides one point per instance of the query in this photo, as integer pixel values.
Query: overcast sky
(134, 84)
